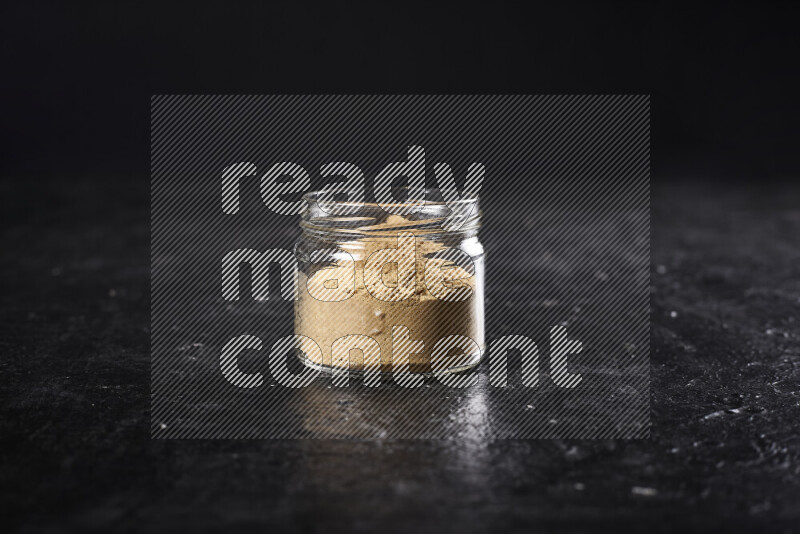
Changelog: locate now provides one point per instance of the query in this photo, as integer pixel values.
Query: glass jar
(399, 289)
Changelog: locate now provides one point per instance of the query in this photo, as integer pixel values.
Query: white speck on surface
(770, 331)
(529, 407)
(661, 269)
(580, 486)
(644, 492)
(673, 314)
(163, 426)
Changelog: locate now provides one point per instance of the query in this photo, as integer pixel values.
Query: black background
(77, 77)
(76, 83)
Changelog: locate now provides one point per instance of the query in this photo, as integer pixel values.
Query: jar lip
(313, 197)
(427, 215)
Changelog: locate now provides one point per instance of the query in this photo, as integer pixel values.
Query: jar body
(413, 297)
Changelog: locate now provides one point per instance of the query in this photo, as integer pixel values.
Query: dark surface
(76, 452)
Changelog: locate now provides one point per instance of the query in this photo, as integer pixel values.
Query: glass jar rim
(431, 214)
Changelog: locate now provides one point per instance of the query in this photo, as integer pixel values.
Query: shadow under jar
(398, 288)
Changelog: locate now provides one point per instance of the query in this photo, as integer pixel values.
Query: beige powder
(428, 318)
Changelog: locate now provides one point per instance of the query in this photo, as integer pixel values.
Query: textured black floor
(74, 433)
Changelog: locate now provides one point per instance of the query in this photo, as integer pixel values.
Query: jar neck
(330, 235)
(336, 220)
